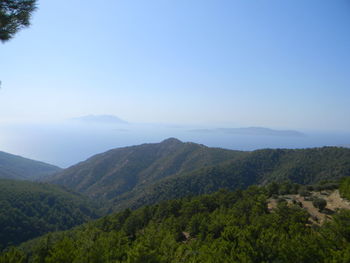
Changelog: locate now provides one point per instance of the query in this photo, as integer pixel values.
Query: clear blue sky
(273, 63)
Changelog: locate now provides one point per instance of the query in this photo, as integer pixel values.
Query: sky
(271, 63)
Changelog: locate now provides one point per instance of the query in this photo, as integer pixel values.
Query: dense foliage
(149, 173)
(17, 167)
(344, 188)
(14, 15)
(304, 166)
(28, 210)
(118, 171)
(222, 227)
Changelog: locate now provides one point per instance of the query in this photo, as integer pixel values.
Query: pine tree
(14, 15)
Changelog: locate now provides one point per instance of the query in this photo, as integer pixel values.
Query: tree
(319, 203)
(14, 15)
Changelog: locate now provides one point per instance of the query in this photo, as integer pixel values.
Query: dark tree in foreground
(14, 15)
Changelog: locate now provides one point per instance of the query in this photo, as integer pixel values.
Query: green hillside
(118, 171)
(17, 167)
(29, 209)
(304, 166)
(223, 227)
(146, 174)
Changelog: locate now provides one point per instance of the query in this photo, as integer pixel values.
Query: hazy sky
(282, 64)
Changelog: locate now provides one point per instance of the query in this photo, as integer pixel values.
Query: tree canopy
(14, 15)
(30, 209)
(222, 227)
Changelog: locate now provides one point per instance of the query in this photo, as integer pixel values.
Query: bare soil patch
(334, 202)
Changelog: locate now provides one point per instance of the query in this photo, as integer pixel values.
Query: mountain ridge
(145, 174)
(302, 166)
(119, 170)
(18, 167)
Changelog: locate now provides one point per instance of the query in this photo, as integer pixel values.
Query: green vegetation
(221, 227)
(195, 224)
(28, 210)
(319, 203)
(319, 167)
(344, 188)
(17, 167)
(14, 15)
(141, 175)
(119, 171)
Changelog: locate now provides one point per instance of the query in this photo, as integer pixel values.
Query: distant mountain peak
(171, 140)
(100, 119)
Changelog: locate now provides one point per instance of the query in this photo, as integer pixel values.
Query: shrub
(319, 203)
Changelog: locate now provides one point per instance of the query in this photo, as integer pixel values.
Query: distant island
(257, 131)
(108, 119)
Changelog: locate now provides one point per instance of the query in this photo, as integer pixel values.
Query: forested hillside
(304, 166)
(29, 209)
(118, 171)
(17, 167)
(149, 173)
(221, 227)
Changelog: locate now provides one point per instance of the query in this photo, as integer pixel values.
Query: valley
(185, 196)
(174, 131)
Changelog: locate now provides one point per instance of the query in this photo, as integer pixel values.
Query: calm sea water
(68, 143)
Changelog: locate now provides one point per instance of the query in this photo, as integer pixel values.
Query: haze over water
(243, 63)
(67, 143)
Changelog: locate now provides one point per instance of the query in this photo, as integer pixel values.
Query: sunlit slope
(17, 167)
(303, 166)
(121, 170)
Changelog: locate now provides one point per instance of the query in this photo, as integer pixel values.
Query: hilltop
(121, 170)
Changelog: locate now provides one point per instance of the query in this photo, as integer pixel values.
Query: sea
(65, 144)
